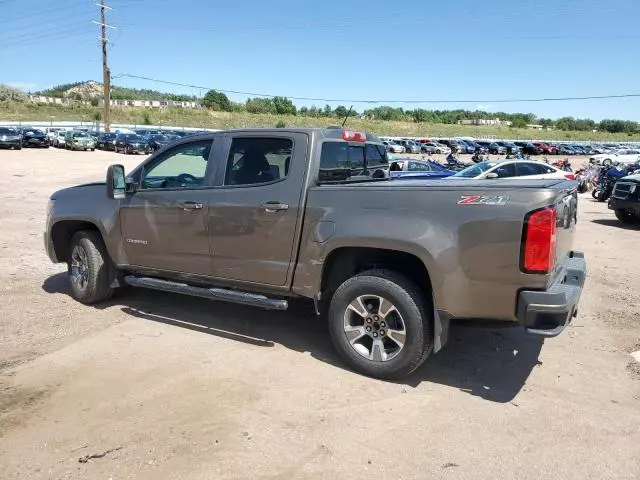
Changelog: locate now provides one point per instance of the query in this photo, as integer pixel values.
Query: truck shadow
(491, 363)
(612, 222)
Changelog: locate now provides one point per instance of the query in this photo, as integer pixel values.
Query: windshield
(132, 136)
(475, 170)
(7, 131)
(80, 135)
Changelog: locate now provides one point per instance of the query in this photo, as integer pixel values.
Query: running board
(221, 294)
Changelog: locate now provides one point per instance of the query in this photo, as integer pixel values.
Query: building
(496, 122)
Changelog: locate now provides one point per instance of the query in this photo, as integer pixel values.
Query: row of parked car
(138, 141)
(495, 147)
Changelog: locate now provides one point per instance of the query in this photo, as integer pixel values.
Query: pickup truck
(261, 216)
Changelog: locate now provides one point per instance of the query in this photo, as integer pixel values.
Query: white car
(512, 168)
(624, 155)
(393, 147)
(58, 140)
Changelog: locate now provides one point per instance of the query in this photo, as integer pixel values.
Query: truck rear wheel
(88, 268)
(380, 324)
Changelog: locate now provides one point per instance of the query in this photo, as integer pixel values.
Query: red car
(547, 149)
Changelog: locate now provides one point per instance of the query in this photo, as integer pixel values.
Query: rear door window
(339, 159)
(525, 169)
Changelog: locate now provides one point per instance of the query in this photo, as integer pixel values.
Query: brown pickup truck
(261, 216)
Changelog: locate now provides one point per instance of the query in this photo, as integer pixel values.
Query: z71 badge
(499, 200)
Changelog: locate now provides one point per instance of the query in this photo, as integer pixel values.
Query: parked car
(410, 146)
(410, 168)
(579, 149)
(34, 137)
(465, 147)
(528, 148)
(388, 267)
(156, 142)
(437, 148)
(546, 149)
(625, 155)
(510, 147)
(513, 168)
(106, 141)
(477, 148)
(493, 147)
(566, 150)
(10, 138)
(79, 140)
(393, 147)
(59, 139)
(625, 199)
(131, 143)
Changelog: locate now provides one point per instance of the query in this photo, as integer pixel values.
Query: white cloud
(23, 85)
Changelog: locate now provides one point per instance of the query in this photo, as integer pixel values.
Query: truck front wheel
(88, 268)
(380, 324)
(627, 216)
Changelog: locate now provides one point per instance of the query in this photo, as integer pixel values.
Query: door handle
(191, 206)
(272, 207)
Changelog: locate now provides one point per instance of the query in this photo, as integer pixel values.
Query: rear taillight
(539, 241)
(569, 176)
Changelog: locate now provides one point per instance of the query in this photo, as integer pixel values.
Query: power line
(412, 101)
(51, 30)
(44, 38)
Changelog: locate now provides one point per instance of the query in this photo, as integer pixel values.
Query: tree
(10, 94)
(217, 101)
(260, 105)
(340, 111)
(284, 106)
(518, 122)
(281, 124)
(95, 102)
(328, 111)
(303, 111)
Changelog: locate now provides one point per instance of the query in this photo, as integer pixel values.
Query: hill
(92, 89)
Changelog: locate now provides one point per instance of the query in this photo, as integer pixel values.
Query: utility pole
(106, 73)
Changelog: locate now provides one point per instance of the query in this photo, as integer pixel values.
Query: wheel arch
(63, 231)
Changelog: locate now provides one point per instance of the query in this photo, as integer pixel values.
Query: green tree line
(219, 101)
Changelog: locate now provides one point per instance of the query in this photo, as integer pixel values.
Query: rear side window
(341, 161)
(255, 160)
(525, 169)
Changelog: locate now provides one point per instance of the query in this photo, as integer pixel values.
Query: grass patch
(201, 118)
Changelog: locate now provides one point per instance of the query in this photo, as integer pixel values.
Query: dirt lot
(160, 386)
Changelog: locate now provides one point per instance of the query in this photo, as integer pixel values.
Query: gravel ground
(155, 386)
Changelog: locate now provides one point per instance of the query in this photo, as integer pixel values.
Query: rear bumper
(548, 312)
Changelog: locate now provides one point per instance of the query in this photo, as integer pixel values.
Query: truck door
(255, 213)
(164, 223)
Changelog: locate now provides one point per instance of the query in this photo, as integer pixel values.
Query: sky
(406, 50)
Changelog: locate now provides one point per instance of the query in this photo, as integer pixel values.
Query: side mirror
(116, 182)
(491, 175)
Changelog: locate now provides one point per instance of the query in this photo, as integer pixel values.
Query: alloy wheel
(374, 328)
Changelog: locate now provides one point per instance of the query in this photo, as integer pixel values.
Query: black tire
(601, 196)
(594, 193)
(625, 216)
(97, 287)
(416, 311)
(19, 147)
(606, 162)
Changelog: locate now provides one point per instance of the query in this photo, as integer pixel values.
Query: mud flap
(440, 329)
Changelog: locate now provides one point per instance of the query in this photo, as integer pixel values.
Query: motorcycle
(453, 163)
(581, 178)
(606, 181)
